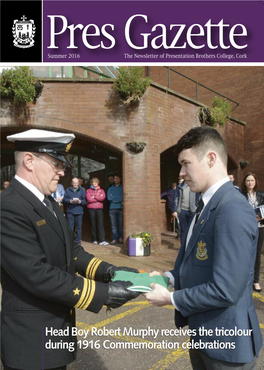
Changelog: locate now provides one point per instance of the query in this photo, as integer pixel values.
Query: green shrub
(131, 84)
(20, 85)
(217, 114)
(221, 109)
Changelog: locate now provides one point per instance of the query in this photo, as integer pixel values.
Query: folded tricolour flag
(141, 282)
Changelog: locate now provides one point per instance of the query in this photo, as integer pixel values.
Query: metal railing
(103, 71)
(197, 84)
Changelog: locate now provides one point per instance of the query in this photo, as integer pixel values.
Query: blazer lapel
(197, 230)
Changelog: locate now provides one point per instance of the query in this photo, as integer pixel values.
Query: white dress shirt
(31, 188)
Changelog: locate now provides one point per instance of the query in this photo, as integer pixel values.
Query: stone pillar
(141, 181)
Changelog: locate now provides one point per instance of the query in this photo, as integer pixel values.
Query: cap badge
(68, 147)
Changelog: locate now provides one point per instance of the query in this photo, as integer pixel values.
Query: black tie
(48, 204)
(198, 211)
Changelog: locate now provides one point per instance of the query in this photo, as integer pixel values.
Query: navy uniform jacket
(40, 285)
(214, 276)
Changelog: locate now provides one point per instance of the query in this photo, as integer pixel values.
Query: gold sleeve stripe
(84, 293)
(90, 295)
(92, 267)
(87, 294)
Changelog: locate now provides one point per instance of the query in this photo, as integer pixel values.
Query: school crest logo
(201, 251)
(23, 33)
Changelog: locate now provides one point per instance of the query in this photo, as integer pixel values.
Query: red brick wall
(93, 112)
(242, 84)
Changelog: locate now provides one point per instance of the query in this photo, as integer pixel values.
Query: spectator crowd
(75, 199)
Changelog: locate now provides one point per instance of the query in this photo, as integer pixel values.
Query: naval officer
(45, 276)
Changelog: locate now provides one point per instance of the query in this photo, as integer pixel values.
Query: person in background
(5, 185)
(232, 179)
(45, 276)
(81, 182)
(111, 181)
(58, 196)
(95, 197)
(178, 226)
(184, 206)
(170, 194)
(213, 273)
(180, 180)
(115, 197)
(255, 198)
(74, 199)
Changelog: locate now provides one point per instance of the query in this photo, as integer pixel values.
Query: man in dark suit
(213, 273)
(45, 276)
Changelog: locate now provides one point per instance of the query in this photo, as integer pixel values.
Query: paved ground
(137, 316)
(103, 349)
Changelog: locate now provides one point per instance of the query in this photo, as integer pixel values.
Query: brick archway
(81, 133)
(165, 145)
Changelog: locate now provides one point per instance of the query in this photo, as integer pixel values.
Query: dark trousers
(200, 361)
(258, 255)
(116, 219)
(184, 218)
(168, 217)
(96, 217)
(76, 220)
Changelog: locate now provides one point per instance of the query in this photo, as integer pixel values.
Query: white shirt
(206, 198)
(31, 188)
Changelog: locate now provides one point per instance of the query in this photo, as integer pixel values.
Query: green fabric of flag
(141, 282)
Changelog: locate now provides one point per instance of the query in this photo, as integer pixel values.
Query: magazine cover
(132, 184)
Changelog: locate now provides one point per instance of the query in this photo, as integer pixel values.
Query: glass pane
(41, 71)
(58, 71)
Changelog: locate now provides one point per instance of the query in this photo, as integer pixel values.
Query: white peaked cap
(55, 144)
(42, 135)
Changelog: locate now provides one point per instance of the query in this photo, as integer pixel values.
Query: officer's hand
(118, 294)
(110, 273)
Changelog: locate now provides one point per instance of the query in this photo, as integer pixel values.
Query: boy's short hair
(202, 139)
